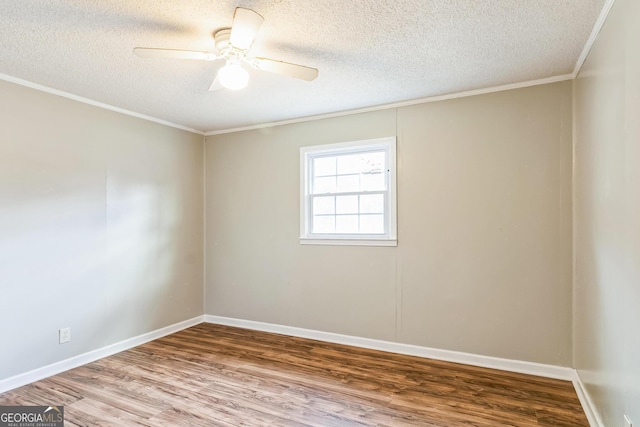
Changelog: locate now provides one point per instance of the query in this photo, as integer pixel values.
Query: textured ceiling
(369, 52)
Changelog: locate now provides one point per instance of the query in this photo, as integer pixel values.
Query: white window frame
(307, 154)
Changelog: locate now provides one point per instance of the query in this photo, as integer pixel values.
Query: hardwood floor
(211, 375)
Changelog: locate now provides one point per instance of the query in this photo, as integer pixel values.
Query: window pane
(373, 181)
(372, 224)
(324, 205)
(324, 166)
(324, 185)
(324, 224)
(349, 183)
(347, 204)
(372, 203)
(373, 162)
(350, 163)
(347, 224)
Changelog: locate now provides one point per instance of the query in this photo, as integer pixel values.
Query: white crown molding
(549, 371)
(91, 356)
(589, 407)
(455, 95)
(98, 104)
(592, 37)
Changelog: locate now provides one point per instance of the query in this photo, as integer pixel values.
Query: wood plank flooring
(211, 375)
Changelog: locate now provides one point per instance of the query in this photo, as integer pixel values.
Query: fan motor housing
(221, 38)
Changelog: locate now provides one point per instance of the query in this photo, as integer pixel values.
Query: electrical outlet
(627, 422)
(64, 334)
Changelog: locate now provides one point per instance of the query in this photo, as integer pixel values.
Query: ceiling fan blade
(285, 68)
(246, 24)
(148, 52)
(216, 85)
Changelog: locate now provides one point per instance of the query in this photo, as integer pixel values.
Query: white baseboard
(542, 370)
(587, 404)
(91, 356)
(549, 371)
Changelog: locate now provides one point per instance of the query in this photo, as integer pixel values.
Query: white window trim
(355, 240)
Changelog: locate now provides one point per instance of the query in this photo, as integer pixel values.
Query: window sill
(348, 242)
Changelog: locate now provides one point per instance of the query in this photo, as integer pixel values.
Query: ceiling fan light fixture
(233, 76)
(233, 44)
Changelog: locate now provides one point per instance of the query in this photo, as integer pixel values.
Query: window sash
(359, 213)
(311, 180)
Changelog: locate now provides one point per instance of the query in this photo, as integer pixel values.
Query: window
(348, 193)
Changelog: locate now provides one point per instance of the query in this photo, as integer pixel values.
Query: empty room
(297, 213)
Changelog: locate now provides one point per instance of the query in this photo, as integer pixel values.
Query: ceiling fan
(233, 45)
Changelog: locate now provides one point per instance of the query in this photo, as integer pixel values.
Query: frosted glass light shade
(233, 76)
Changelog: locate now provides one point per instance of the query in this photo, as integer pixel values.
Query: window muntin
(348, 192)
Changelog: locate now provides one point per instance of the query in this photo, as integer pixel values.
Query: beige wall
(607, 217)
(256, 269)
(101, 227)
(483, 263)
